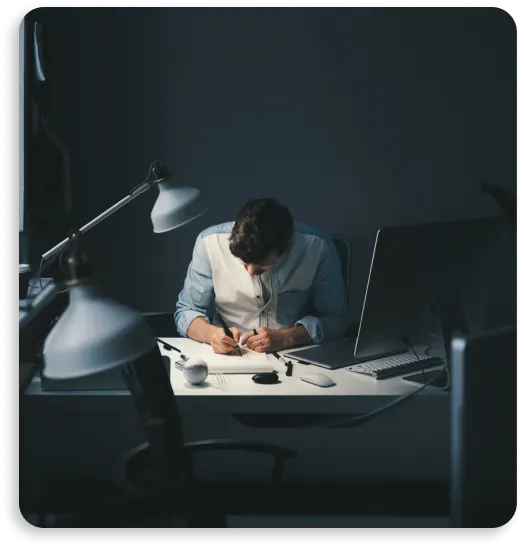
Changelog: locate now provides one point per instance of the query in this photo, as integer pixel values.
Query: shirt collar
(282, 258)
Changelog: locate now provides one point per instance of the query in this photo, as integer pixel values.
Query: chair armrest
(246, 446)
(129, 468)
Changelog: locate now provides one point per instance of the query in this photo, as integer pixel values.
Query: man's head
(261, 233)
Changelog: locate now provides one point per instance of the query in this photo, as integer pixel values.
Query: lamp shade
(94, 334)
(175, 206)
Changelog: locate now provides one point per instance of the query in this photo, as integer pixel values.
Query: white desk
(353, 393)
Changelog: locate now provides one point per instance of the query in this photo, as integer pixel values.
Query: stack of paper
(251, 362)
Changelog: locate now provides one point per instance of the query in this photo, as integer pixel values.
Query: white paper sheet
(251, 362)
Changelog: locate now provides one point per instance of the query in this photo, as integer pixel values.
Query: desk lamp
(174, 207)
(95, 333)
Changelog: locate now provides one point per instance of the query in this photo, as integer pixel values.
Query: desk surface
(352, 392)
(347, 383)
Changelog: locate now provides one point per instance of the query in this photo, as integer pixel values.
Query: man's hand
(201, 330)
(266, 340)
(221, 343)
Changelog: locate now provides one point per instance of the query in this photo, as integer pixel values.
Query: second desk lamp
(94, 333)
(174, 207)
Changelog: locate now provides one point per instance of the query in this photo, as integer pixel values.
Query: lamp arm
(140, 189)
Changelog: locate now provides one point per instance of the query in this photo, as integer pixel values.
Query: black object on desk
(288, 364)
(266, 378)
(167, 346)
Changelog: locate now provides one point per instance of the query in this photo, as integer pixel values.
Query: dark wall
(355, 118)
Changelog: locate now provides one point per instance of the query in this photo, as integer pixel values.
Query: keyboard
(394, 365)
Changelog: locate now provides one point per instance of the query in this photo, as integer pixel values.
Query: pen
(168, 346)
(228, 332)
(289, 364)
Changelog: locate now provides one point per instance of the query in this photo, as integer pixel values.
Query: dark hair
(262, 226)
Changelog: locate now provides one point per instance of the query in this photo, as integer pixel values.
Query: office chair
(162, 324)
(343, 247)
(156, 481)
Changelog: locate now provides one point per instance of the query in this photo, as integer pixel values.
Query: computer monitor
(427, 281)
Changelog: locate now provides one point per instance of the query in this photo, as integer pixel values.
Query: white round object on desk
(195, 371)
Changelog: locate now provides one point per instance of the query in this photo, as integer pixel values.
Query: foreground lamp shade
(175, 206)
(94, 334)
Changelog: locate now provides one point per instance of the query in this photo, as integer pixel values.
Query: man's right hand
(221, 342)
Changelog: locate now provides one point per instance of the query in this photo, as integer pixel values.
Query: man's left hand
(267, 340)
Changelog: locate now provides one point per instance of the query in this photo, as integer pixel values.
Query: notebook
(251, 362)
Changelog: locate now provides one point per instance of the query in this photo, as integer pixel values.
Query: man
(276, 282)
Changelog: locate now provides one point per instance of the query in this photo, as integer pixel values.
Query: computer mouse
(265, 378)
(318, 379)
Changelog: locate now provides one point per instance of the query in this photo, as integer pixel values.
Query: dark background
(354, 118)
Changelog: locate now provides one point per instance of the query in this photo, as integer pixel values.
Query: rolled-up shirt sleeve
(329, 317)
(197, 296)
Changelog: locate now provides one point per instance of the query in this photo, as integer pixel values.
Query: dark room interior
(400, 121)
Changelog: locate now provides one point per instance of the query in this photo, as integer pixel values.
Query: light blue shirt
(306, 286)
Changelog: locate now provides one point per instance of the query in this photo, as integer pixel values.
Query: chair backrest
(344, 253)
(148, 381)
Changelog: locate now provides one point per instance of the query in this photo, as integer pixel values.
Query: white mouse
(318, 379)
